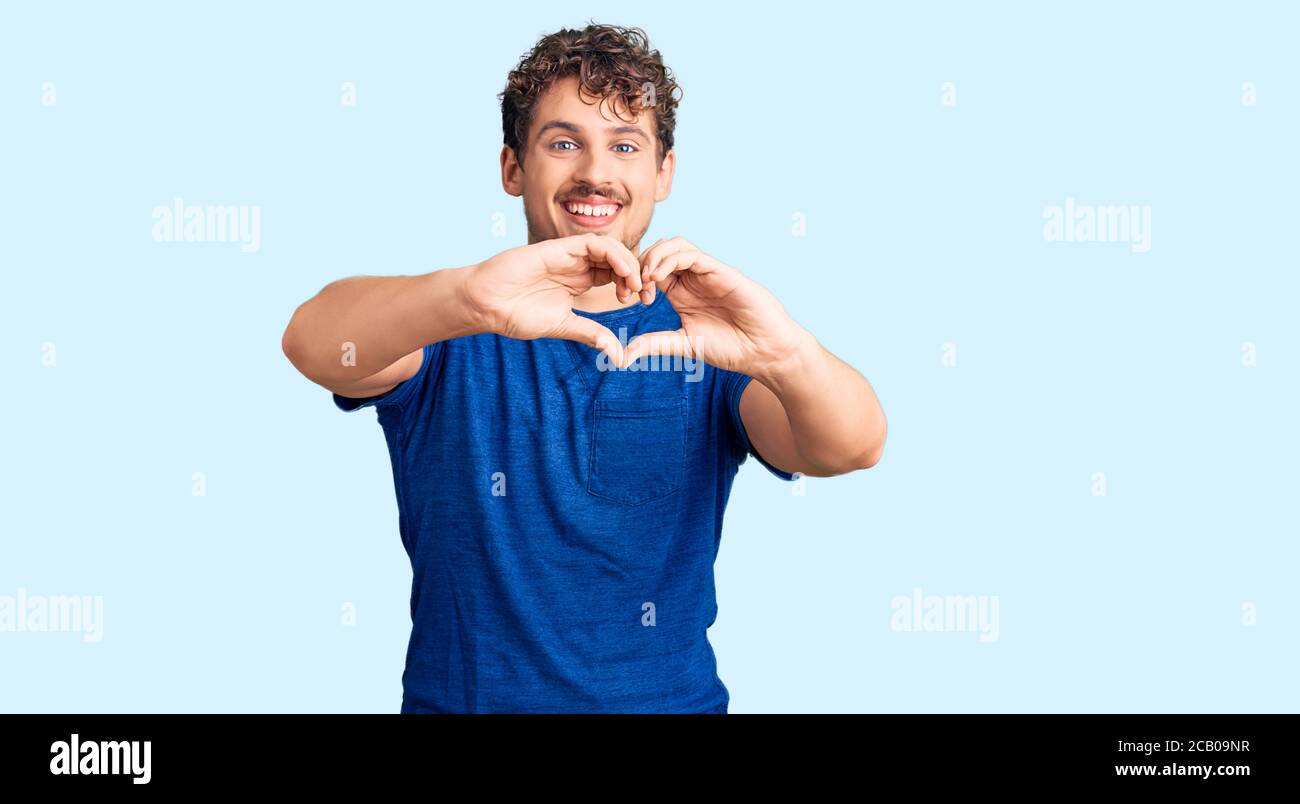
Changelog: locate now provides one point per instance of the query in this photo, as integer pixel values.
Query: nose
(596, 168)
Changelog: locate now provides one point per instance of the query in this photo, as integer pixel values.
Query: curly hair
(610, 61)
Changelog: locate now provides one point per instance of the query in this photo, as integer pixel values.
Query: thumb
(663, 342)
(597, 336)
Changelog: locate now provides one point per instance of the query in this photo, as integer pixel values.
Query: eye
(563, 142)
(632, 148)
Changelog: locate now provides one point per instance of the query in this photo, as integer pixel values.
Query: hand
(527, 292)
(728, 320)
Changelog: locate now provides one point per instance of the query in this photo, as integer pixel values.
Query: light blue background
(924, 227)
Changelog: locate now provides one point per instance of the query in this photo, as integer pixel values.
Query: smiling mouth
(591, 215)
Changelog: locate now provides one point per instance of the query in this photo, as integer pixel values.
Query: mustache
(584, 190)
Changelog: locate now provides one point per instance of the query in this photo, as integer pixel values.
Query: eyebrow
(573, 128)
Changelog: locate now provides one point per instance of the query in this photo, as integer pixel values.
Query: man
(560, 488)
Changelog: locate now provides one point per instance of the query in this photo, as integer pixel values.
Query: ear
(664, 181)
(512, 173)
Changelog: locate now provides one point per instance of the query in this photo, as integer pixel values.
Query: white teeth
(592, 211)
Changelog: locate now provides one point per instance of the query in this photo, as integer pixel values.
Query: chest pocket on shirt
(638, 449)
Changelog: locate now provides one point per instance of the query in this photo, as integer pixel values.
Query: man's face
(586, 170)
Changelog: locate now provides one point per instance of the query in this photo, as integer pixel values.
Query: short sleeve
(399, 396)
(733, 387)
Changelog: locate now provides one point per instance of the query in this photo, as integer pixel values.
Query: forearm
(835, 419)
(357, 326)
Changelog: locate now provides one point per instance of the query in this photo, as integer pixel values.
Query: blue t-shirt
(562, 518)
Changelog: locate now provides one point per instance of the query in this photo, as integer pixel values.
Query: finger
(588, 279)
(585, 252)
(647, 292)
(613, 253)
(621, 261)
(651, 255)
(647, 287)
(597, 336)
(664, 244)
(663, 342)
(644, 255)
(663, 252)
(656, 251)
(680, 261)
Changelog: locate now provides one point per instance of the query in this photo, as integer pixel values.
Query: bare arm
(807, 411)
(363, 335)
(815, 414)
